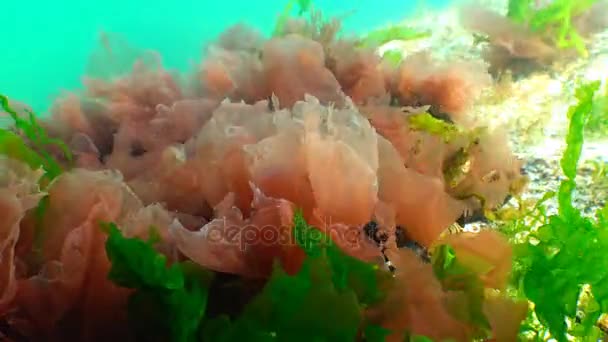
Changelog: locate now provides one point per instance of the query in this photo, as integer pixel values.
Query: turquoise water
(46, 44)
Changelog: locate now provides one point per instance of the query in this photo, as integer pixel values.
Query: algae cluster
(538, 275)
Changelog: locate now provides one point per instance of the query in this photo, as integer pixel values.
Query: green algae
(390, 33)
(37, 155)
(566, 253)
(554, 19)
(169, 302)
(324, 301)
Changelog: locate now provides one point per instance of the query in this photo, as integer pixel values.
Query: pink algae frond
(448, 88)
(247, 246)
(19, 192)
(305, 120)
(417, 303)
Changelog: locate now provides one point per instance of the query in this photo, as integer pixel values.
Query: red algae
(19, 193)
(72, 247)
(447, 87)
(225, 153)
(504, 316)
(512, 38)
(249, 246)
(533, 39)
(420, 151)
(416, 302)
(403, 188)
(358, 72)
(418, 299)
(342, 161)
(294, 67)
(237, 75)
(488, 246)
(301, 121)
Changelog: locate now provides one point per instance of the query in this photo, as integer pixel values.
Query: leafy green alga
(324, 301)
(30, 147)
(392, 57)
(13, 146)
(519, 10)
(303, 7)
(37, 155)
(387, 34)
(555, 19)
(566, 255)
(597, 125)
(375, 333)
(432, 125)
(169, 302)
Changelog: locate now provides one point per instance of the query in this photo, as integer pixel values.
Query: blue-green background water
(46, 44)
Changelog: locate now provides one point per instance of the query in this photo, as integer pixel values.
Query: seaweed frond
(169, 302)
(597, 124)
(390, 33)
(303, 6)
(568, 244)
(432, 125)
(329, 284)
(556, 19)
(37, 155)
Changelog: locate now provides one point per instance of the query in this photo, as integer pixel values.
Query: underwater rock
(404, 242)
(372, 230)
